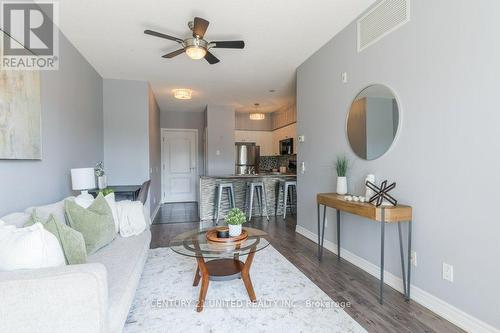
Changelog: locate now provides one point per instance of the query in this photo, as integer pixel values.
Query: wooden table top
(392, 213)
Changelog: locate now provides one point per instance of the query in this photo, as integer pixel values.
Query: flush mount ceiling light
(257, 115)
(182, 93)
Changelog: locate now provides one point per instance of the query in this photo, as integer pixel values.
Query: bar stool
(259, 189)
(289, 187)
(218, 198)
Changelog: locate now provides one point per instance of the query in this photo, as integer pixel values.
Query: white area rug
(287, 300)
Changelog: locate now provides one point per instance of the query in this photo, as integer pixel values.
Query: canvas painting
(20, 115)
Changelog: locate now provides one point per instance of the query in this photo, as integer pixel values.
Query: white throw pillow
(16, 219)
(28, 248)
(110, 199)
(131, 217)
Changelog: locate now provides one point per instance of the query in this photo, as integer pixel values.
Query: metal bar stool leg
(217, 210)
(264, 195)
(250, 206)
(277, 197)
(285, 197)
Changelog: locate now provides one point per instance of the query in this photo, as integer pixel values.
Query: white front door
(179, 165)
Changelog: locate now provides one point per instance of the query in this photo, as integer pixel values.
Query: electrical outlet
(344, 77)
(447, 272)
(414, 258)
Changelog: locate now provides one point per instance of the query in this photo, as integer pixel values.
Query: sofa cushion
(72, 242)
(124, 260)
(16, 219)
(95, 223)
(56, 209)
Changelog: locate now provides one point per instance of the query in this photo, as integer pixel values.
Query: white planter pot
(102, 182)
(341, 185)
(234, 230)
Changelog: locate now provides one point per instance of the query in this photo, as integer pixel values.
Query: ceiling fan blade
(200, 27)
(173, 54)
(233, 44)
(211, 58)
(159, 34)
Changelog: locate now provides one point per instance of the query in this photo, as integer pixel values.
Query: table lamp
(83, 179)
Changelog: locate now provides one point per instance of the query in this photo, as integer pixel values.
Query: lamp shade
(82, 179)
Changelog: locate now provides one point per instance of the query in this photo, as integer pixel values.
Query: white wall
(444, 67)
(220, 140)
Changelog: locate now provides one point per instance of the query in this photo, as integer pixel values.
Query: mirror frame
(400, 120)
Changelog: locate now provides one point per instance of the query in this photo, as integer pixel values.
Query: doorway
(179, 154)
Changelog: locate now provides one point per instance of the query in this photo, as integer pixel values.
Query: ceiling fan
(196, 47)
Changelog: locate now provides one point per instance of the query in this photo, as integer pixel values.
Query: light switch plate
(447, 272)
(301, 138)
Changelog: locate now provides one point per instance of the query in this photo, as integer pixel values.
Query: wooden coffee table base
(223, 270)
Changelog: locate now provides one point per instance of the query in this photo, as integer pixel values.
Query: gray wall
(220, 139)
(154, 152)
(444, 67)
(187, 120)
(72, 134)
(126, 127)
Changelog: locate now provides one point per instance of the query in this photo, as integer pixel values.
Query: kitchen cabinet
(264, 139)
(282, 133)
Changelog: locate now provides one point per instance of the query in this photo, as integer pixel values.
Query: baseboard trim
(449, 312)
(155, 212)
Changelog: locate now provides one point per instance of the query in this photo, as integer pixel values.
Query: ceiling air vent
(381, 20)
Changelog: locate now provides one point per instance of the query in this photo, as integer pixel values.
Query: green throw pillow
(95, 222)
(72, 242)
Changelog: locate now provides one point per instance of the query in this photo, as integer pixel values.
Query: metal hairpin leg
(323, 231)
(382, 239)
(319, 232)
(408, 278)
(338, 234)
(405, 273)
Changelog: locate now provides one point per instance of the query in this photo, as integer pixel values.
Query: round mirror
(373, 121)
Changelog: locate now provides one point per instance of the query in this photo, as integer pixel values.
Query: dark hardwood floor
(342, 281)
(177, 212)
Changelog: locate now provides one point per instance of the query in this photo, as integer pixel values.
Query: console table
(382, 214)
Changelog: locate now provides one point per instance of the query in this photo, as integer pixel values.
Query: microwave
(286, 146)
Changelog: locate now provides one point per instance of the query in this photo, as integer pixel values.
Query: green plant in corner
(342, 164)
(235, 217)
(99, 169)
(106, 191)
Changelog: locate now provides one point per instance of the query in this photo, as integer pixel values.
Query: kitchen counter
(260, 175)
(208, 186)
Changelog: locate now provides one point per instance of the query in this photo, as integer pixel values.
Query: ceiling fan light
(182, 93)
(257, 116)
(196, 52)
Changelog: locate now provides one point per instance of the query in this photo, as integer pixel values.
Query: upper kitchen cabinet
(284, 117)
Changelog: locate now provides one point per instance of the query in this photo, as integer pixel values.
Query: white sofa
(93, 297)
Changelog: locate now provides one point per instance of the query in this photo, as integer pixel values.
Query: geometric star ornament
(381, 193)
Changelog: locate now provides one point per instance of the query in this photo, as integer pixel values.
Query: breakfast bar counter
(208, 186)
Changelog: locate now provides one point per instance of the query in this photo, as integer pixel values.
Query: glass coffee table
(219, 262)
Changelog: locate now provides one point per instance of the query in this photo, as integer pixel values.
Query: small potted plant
(341, 165)
(234, 219)
(101, 177)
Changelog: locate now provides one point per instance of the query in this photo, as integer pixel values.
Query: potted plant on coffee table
(234, 219)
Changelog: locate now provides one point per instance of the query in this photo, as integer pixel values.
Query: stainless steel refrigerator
(247, 157)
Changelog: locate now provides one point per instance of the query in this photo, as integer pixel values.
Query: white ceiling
(279, 36)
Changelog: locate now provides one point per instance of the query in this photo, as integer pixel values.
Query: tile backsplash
(274, 162)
